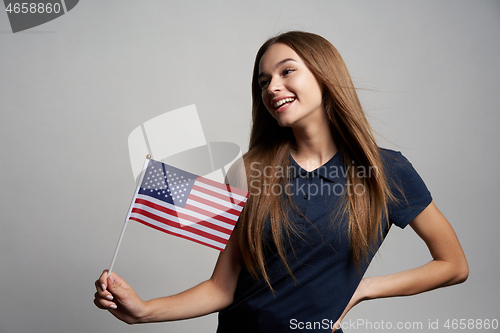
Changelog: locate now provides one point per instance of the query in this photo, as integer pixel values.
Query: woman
(323, 196)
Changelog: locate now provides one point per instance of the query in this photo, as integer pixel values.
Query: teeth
(283, 101)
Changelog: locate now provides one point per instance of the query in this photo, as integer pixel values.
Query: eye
(287, 71)
(263, 83)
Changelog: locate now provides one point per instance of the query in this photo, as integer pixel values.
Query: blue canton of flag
(167, 183)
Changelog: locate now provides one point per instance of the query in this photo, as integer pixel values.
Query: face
(290, 91)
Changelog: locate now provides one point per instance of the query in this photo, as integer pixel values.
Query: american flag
(186, 205)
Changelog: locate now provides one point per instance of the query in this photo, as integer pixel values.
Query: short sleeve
(410, 191)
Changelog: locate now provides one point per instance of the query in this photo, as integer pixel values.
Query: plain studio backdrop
(72, 90)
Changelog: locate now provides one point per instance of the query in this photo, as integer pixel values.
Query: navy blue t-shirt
(319, 256)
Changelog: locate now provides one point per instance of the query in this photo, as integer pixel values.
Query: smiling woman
(290, 91)
(300, 249)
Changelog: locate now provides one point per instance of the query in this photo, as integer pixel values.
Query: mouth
(282, 103)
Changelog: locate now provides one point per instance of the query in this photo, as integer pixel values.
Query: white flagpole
(129, 211)
(117, 247)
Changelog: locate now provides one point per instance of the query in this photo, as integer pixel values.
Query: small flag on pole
(186, 205)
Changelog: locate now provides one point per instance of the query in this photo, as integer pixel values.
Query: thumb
(117, 286)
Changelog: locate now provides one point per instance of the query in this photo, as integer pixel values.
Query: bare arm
(449, 265)
(214, 294)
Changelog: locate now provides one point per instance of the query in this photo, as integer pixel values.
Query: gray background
(73, 89)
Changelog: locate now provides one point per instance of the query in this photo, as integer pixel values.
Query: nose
(275, 85)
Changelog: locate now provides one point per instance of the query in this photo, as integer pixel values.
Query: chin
(285, 123)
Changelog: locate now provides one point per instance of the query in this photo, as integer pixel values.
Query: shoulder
(400, 173)
(389, 156)
(395, 163)
(411, 194)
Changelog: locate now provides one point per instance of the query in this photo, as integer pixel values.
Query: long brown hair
(270, 146)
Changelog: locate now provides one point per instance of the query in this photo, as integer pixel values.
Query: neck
(315, 145)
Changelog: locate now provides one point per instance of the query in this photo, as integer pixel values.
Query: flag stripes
(223, 187)
(181, 218)
(187, 216)
(193, 229)
(196, 200)
(235, 202)
(222, 198)
(157, 225)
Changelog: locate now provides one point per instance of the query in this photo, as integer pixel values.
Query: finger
(99, 286)
(103, 280)
(99, 296)
(97, 303)
(104, 304)
(103, 294)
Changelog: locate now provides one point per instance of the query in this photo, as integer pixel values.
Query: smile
(283, 101)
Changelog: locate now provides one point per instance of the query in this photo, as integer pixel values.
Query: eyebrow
(277, 65)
